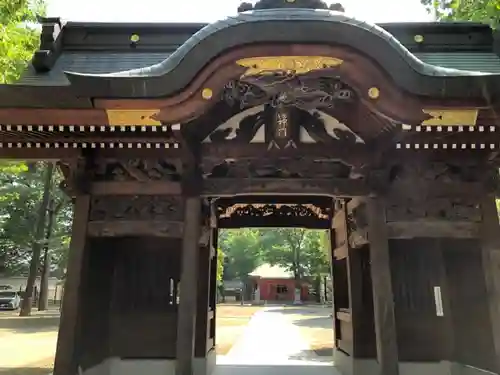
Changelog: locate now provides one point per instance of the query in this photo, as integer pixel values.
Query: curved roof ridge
(298, 14)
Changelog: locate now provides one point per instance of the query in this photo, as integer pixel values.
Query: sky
(211, 11)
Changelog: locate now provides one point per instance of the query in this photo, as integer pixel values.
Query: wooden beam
(356, 155)
(136, 188)
(272, 221)
(383, 297)
(433, 228)
(39, 153)
(98, 137)
(69, 330)
(490, 238)
(186, 321)
(50, 116)
(171, 229)
(143, 152)
(441, 189)
(294, 186)
(276, 199)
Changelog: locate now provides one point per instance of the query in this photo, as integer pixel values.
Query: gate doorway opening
(283, 321)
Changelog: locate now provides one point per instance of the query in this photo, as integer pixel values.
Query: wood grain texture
(383, 296)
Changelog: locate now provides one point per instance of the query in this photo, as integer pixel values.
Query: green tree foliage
(18, 36)
(484, 11)
(220, 264)
(241, 248)
(299, 250)
(21, 191)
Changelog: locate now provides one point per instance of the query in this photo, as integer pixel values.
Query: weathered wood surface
(66, 361)
(433, 228)
(490, 236)
(186, 324)
(136, 188)
(171, 229)
(383, 297)
(295, 186)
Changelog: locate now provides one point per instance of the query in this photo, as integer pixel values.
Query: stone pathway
(271, 345)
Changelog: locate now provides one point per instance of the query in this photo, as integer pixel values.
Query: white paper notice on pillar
(257, 295)
(438, 300)
(297, 299)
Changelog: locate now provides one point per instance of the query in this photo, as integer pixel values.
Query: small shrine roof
(268, 271)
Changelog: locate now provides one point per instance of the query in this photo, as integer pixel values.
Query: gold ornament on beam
(373, 92)
(132, 117)
(207, 93)
(451, 117)
(290, 64)
(418, 38)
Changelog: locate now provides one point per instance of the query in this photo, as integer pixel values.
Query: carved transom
(282, 210)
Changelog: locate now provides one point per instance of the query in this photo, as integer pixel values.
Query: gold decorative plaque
(291, 64)
(451, 117)
(132, 117)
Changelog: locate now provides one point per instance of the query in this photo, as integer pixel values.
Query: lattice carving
(137, 170)
(137, 208)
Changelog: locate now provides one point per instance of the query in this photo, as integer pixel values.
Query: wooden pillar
(186, 324)
(214, 251)
(66, 361)
(383, 298)
(490, 238)
(336, 322)
(203, 313)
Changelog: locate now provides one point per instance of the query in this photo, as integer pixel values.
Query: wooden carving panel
(142, 215)
(141, 170)
(279, 168)
(439, 209)
(137, 207)
(273, 215)
(437, 172)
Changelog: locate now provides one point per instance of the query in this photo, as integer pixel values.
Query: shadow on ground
(274, 370)
(316, 355)
(29, 324)
(315, 322)
(302, 310)
(25, 371)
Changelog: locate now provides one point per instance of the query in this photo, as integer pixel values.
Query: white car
(9, 300)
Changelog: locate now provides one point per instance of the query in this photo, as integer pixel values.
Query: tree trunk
(36, 246)
(43, 301)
